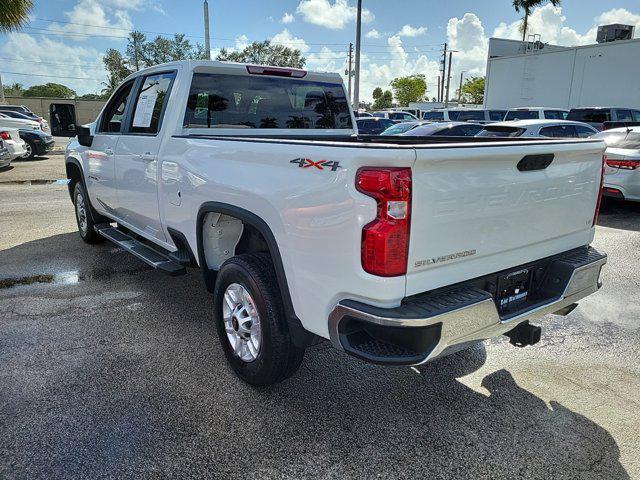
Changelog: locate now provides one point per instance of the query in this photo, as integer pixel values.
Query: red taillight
(5, 136)
(276, 71)
(385, 241)
(595, 215)
(624, 164)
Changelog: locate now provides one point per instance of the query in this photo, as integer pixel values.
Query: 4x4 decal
(320, 164)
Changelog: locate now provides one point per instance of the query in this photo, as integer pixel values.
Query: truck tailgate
(474, 211)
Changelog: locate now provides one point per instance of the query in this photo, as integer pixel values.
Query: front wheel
(83, 215)
(30, 148)
(251, 323)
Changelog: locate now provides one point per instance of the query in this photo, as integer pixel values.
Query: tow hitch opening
(524, 334)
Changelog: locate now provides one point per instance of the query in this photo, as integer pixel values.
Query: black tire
(32, 150)
(277, 358)
(85, 221)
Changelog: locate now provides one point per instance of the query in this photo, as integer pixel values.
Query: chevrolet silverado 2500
(398, 249)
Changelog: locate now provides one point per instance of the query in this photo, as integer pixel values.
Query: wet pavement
(111, 370)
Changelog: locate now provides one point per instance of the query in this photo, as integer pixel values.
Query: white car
(396, 116)
(536, 113)
(539, 128)
(16, 146)
(9, 122)
(399, 250)
(5, 156)
(622, 163)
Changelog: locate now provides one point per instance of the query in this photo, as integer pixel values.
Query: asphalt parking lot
(111, 370)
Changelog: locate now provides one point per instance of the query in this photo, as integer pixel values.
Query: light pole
(207, 43)
(460, 88)
(356, 87)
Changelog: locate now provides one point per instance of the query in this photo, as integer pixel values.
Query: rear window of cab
(239, 101)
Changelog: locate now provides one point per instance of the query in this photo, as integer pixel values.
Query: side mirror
(84, 136)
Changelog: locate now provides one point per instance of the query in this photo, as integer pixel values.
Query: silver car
(622, 163)
(5, 156)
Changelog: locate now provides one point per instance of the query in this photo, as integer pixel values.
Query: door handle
(147, 157)
(108, 151)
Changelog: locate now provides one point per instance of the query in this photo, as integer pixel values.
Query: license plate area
(514, 291)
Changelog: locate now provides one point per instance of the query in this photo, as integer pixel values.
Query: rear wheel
(31, 150)
(84, 217)
(251, 323)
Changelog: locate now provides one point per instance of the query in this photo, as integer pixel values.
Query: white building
(532, 74)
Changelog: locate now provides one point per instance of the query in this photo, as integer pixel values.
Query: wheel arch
(300, 336)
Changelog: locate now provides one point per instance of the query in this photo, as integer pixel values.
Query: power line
(50, 76)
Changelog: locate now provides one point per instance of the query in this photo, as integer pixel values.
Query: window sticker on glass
(144, 109)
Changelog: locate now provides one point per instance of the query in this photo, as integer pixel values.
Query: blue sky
(66, 38)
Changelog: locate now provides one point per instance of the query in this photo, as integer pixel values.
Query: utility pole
(356, 89)
(444, 72)
(438, 96)
(350, 72)
(1, 91)
(446, 100)
(460, 88)
(207, 42)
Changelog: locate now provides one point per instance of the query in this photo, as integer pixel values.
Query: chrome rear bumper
(434, 324)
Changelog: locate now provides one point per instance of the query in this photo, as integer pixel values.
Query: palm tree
(14, 14)
(527, 6)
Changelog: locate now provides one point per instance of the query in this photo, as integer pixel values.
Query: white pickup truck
(398, 249)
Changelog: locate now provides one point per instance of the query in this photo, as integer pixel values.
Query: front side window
(147, 114)
(239, 101)
(497, 115)
(433, 115)
(114, 112)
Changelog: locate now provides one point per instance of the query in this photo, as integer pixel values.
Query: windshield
(521, 115)
(238, 101)
(628, 140)
(399, 128)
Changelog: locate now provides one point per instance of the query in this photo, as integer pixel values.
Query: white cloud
(242, 41)
(89, 17)
(327, 61)
(409, 31)
(62, 60)
(334, 15)
(287, 18)
(372, 34)
(285, 38)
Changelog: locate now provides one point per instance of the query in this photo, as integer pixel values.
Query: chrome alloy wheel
(241, 322)
(27, 147)
(81, 213)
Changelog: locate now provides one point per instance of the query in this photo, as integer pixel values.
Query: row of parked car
(621, 162)
(23, 134)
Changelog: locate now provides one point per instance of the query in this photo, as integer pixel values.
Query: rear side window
(471, 115)
(149, 107)
(636, 115)
(114, 112)
(624, 115)
(590, 115)
(433, 115)
(238, 101)
(584, 131)
(500, 131)
(497, 115)
(559, 131)
(554, 115)
(521, 115)
(630, 140)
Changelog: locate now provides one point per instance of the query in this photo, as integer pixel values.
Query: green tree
(526, 6)
(50, 90)
(377, 93)
(383, 101)
(473, 90)
(265, 53)
(14, 14)
(409, 89)
(93, 96)
(117, 68)
(14, 90)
